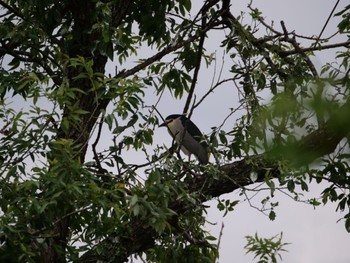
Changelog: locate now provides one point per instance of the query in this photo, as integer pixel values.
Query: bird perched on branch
(187, 136)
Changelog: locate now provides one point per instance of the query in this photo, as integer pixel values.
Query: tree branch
(318, 48)
(299, 50)
(24, 56)
(204, 9)
(119, 11)
(167, 50)
(13, 10)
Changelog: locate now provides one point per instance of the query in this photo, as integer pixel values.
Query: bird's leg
(175, 148)
(178, 153)
(178, 146)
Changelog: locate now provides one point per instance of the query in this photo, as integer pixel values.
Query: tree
(65, 198)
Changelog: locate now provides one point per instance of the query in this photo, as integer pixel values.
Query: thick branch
(119, 10)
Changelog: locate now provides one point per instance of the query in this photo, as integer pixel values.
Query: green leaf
(223, 138)
(347, 224)
(210, 238)
(291, 185)
(134, 199)
(109, 119)
(272, 215)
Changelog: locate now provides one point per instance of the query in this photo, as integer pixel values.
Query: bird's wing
(193, 130)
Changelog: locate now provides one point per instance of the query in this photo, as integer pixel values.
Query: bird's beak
(163, 124)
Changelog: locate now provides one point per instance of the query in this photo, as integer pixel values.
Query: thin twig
(210, 91)
(197, 67)
(220, 234)
(312, 48)
(97, 160)
(329, 17)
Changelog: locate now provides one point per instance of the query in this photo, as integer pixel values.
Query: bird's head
(169, 120)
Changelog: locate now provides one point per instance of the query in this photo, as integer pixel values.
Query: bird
(187, 136)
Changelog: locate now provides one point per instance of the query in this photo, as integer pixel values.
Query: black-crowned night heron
(187, 136)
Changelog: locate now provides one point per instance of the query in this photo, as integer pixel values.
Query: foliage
(83, 177)
(266, 249)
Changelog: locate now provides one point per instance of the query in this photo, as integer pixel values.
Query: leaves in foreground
(266, 249)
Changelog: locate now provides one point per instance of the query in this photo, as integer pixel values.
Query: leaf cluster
(266, 250)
